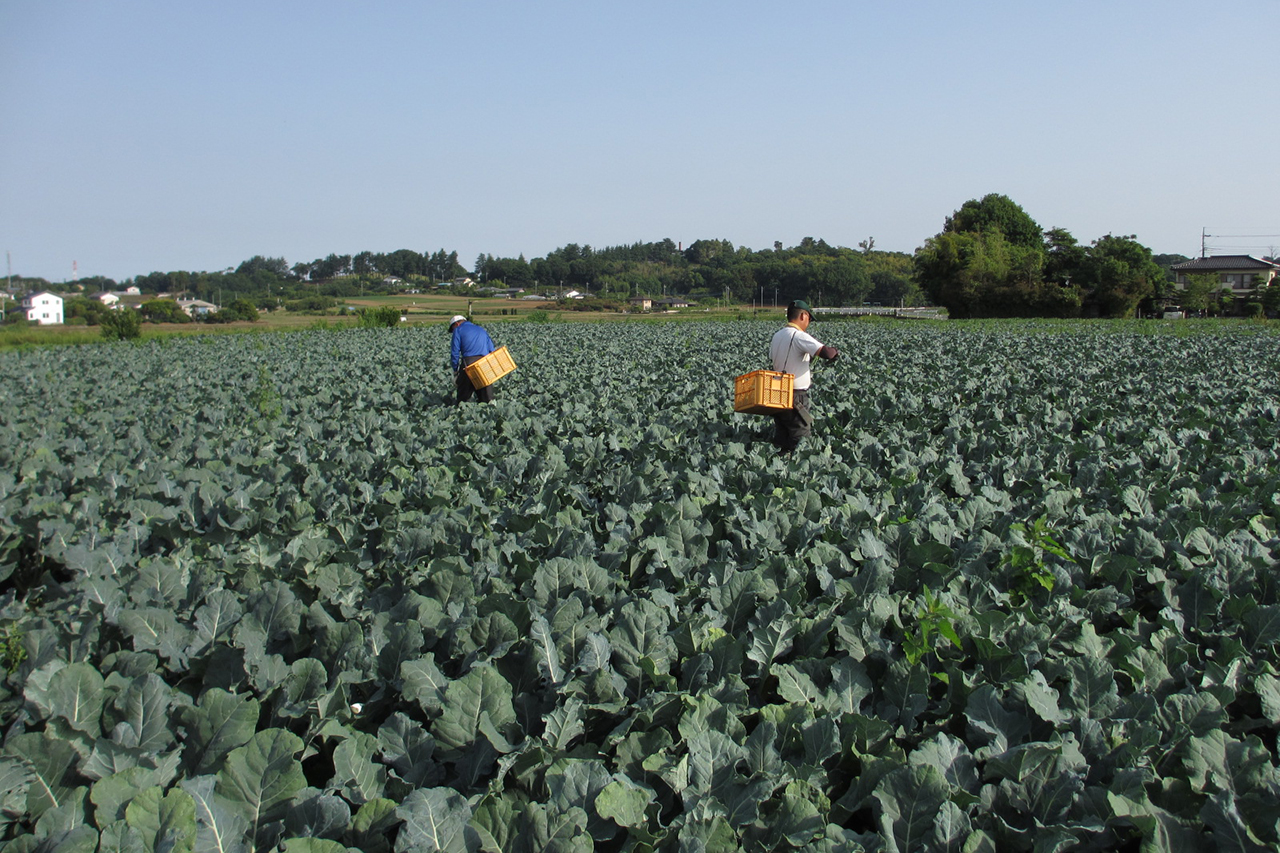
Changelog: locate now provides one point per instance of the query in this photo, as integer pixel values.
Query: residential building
(1241, 274)
(43, 307)
(196, 307)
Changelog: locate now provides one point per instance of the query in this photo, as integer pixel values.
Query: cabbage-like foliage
(1017, 592)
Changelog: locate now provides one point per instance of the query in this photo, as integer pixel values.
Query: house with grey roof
(1243, 275)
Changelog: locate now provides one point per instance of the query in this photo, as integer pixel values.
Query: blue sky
(149, 135)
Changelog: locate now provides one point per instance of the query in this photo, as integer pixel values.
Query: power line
(1216, 245)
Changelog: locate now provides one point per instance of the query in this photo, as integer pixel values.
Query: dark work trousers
(466, 389)
(794, 423)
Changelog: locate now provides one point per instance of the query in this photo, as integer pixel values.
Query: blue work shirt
(470, 340)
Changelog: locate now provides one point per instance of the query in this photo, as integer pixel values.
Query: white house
(196, 307)
(44, 308)
(107, 298)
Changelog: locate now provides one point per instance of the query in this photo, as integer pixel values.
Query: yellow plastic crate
(490, 368)
(762, 392)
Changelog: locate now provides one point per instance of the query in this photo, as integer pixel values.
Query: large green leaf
(772, 631)
(313, 845)
(219, 723)
(497, 823)
(481, 693)
(424, 683)
(215, 619)
(1231, 833)
(16, 777)
(545, 653)
(951, 758)
(74, 693)
(1162, 832)
(354, 771)
(273, 612)
(557, 830)
(1001, 729)
(111, 794)
(318, 814)
(643, 630)
(371, 825)
(435, 819)
(910, 799)
(51, 762)
(564, 724)
(141, 715)
(166, 821)
(802, 817)
(157, 629)
(220, 827)
(624, 802)
(575, 782)
(410, 750)
(260, 778)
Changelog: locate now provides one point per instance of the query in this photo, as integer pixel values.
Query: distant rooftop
(1218, 263)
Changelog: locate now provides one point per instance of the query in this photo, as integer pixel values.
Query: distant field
(431, 308)
(417, 309)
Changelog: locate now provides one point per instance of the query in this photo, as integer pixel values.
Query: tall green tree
(1119, 273)
(275, 266)
(163, 311)
(122, 324)
(514, 272)
(1270, 297)
(996, 212)
(991, 260)
(1200, 291)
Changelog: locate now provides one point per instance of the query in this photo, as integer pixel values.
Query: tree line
(710, 270)
(991, 259)
(715, 270)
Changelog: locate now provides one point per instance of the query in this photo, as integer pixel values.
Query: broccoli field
(1020, 591)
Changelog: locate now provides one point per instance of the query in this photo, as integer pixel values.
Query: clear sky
(156, 135)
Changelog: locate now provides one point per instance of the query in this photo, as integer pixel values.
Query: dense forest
(991, 259)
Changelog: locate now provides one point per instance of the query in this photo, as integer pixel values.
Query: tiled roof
(1219, 263)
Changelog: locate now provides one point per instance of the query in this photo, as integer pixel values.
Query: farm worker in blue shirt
(470, 343)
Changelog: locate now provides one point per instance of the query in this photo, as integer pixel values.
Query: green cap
(801, 305)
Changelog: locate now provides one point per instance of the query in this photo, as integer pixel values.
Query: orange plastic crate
(762, 392)
(490, 368)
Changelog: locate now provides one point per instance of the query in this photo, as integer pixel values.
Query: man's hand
(829, 353)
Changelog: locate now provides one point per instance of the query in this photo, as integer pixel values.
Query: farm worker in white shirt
(792, 350)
